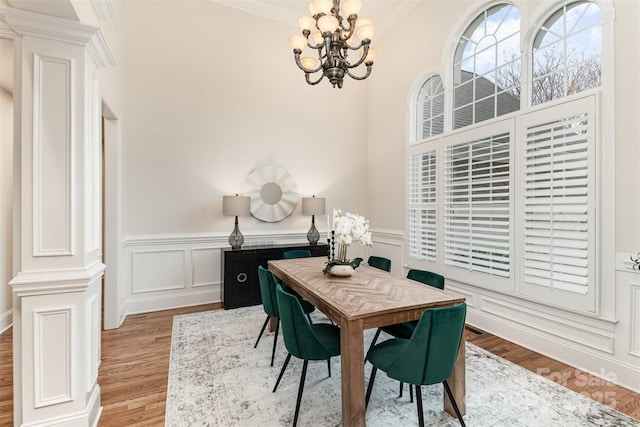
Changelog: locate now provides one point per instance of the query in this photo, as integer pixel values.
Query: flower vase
(342, 270)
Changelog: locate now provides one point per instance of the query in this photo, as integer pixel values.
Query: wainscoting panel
(52, 195)
(92, 340)
(52, 356)
(635, 319)
(171, 271)
(389, 244)
(158, 270)
(565, 329)
(206, 267)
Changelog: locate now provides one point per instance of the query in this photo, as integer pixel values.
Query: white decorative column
(57, 291)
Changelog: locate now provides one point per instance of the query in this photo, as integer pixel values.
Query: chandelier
(337, 40)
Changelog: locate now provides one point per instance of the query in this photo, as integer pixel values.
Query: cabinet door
(241, 286)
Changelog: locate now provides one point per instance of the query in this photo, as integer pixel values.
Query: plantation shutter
(476, 200)
(558, 192)
(422, 206)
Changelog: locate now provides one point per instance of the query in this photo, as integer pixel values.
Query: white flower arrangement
(347, 228)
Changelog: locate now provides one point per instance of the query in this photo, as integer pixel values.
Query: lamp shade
(313, 205)
(328, 23)
(235, 205)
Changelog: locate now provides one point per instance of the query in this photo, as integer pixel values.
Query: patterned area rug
(217, 378)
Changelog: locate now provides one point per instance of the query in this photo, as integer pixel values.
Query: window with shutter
(558, 194)
(477, 205)
(422, 206)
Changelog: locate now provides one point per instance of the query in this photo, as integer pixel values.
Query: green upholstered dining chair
(270, 304)
(304, 340)
(427, 358)
(380, 262)
(405, 329)
(297, 253)
(427, 277)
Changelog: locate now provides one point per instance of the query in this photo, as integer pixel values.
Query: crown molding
(286, 16)
(59, 29)
(103, 9)
(264, 10)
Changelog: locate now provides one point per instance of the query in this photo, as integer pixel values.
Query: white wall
(6, 180)
(210, 94)
(422, 43)
(208, 102)
(627, 53)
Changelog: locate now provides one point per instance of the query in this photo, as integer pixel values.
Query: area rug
(217, 378)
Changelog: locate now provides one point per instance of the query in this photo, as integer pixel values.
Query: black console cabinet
(240, 271)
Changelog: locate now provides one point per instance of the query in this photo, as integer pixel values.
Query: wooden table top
(375, 296)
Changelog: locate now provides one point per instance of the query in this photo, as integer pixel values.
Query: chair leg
(284, 367)
(309, 317)
(411, 393)
(262, 331)
(401, 388)
(419, 403)
(275, 340)
(370, 386)
(373, 342)
(300, 389)
(329, 366)
(453, 401)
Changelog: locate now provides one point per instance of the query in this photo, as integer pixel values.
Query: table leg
(272, 324)
(352, 359)
(457, 383)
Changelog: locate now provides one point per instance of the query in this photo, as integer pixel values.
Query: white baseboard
(157, 302)
(6, 320)
(600, 365)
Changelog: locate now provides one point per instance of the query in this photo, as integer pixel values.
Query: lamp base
(313, 235)
(236, 239)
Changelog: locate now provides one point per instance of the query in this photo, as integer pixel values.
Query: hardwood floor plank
(135, 366)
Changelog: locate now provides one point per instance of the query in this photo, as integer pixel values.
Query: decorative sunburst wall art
(272, 192)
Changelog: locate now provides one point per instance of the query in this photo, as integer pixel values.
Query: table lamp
(313, 206)
(234, 206)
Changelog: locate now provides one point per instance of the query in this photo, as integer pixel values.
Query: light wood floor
(135, 364)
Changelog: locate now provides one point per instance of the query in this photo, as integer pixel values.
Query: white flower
(349, 227)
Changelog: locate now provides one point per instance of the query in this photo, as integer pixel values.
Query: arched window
(486, 67)
(567, 53)
(430, 109)
(511, 203)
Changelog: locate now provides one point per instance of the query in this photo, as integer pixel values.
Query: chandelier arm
(369, 66)
(297, 53)
(362, 58)
(351, 28)
(306, 76)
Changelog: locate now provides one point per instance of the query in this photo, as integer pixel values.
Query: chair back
(299, 337)
(268, 291)
(380, 262)
(297, 253)
(430, 354)
(427, 277)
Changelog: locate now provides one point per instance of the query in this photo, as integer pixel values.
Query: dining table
(370, 298)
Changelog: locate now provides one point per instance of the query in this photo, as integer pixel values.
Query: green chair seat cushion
(401, 330)
(329, 336)
(302, 339)
(384, 354)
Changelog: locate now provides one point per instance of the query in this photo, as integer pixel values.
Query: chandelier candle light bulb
(334, 40)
